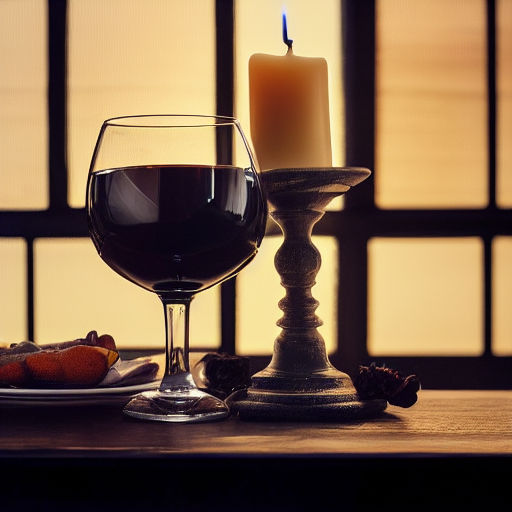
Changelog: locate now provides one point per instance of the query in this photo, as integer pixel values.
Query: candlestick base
(300, 383)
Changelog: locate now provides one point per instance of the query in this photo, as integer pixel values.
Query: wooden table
(458, 442)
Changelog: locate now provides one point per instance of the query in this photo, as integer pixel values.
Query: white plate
(72, 397)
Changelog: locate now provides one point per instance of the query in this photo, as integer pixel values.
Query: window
(424, 118)
(416, 260)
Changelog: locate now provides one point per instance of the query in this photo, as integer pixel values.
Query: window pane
(76, 292)
(504, 102)
(13, 282)
(431, 104)
(259, 290)
(131, 57)
(425, 296)
(502, 296)
(23, 105)
(315, 28)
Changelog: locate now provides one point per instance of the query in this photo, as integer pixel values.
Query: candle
(289, 110)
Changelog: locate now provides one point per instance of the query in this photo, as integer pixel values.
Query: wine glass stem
(177, 375)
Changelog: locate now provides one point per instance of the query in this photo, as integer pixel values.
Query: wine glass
(174, 204)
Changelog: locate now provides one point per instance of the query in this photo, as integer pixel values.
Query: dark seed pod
(385, 383)
(221, 374)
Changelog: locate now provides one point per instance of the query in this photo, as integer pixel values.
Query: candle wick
(287, 42)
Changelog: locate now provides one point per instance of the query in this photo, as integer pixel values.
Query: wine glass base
(191, 406)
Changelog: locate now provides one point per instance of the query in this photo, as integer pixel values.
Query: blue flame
(287, 42)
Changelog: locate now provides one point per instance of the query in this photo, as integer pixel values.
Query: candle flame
(287, 42)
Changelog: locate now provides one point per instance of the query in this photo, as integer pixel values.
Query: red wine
(174, 228)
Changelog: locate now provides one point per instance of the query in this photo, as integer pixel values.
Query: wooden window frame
(353, 227)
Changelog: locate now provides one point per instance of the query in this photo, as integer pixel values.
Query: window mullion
(57, 80)
(491, 105)
(224, 33)
(358, 25)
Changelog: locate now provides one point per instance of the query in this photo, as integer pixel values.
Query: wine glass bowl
(174, 204)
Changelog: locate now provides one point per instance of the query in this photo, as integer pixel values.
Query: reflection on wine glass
(174, 204)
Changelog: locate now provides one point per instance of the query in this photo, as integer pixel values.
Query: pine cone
(385, 383)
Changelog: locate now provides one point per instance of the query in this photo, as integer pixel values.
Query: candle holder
(300, 383)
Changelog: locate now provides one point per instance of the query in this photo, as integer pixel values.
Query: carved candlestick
(300, 383)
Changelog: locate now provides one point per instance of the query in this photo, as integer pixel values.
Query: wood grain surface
(441, 423)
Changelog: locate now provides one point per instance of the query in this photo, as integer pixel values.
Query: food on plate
(92, 339)
(79, 363)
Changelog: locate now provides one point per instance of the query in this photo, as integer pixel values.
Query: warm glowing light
(504, 103)
(502, 296)
(132, 57)
(425, 296)
(23, 105)
(431, 119)
(13, 299)
(75, 292)
(316, 33)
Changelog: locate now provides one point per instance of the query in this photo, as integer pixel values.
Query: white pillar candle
(289, 110)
